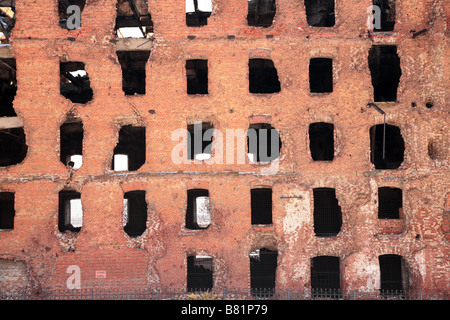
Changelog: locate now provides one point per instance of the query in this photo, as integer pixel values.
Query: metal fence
(224, 294)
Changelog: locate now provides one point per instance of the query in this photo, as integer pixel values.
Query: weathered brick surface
(158, 257)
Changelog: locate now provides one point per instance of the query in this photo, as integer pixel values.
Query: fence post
(287, 294)
(92, 294)
(159, 294)
(223, 294)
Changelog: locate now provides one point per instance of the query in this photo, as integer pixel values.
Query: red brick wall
(158, 257)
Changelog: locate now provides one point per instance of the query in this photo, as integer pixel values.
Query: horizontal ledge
(10, 122)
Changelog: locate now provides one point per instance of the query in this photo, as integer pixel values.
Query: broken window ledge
(192, 232)
(10, 123)
(133, 44)
(262, 225)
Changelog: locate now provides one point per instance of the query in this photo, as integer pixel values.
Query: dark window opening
(391, 279)
(321, 141)
(199, 274)
(321, 75)
(129, 153)
(198, 12)
(13, 148)
(197, 76)
(62, 10)
(135, 213)
(261, 13)
(387, 14)
(133, 71)
(75, 84)
(325, 276)
(7, 19)
(198, 214)
(387, 146)
(263, 265)
(133, 19)
(327, 213)
(384, 64)
(264, 143)
(7, 211)
(320, 13)
(8, 86)
(200, 137)
(261, 206)
(389, 203)
(71, 141)
(70, 216)
(263, 76)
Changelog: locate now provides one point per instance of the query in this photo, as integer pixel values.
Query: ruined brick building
(358, 200)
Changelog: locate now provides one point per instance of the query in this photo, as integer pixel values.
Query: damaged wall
(157, 258)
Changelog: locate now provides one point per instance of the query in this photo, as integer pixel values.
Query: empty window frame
(129, 153)
(387, 146)
(71, 143)
(198, 213)
(263, 76)
(13, 148)
(134, 215)
(200, 140)
(387, 15)
(197, 76)
(327, 213)
(199, 273)
(263, 265)
(384, 64)
(261, 13)
(8, 86)
(263, 143)
(70, 216)
(7, 211)
(391, 274)
(261, 205)
(389, 203)
(198, 12)
(64, 16)
(320, 13)
(321, 141)
(321, 75)
(74, 82)
(133, 19)
(325, 276)
(133, 71)
(7, 19)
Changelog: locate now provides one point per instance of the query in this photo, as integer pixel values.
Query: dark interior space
(263, 267)
(199, 139)
(133, 71)
(263, 142)
(62, 10)
(391, 280)
(8, 86)
(384, 64)
(13, 148)
(64, 215)
(132, 143)
(198, 17)
(261, 206)
(197, 76)
(325, 275)
(75, 84)
(134, 14)
(389, 203)
(320, 13)
(199, 274)
(321, 75)
(387, 146)
(387, 19)
(7, 18)
(71, 141)
(261, 13)
(7, 211)
(327, 213)
(321, 141)
(263, 76)
(137, 213)
(192, 195)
